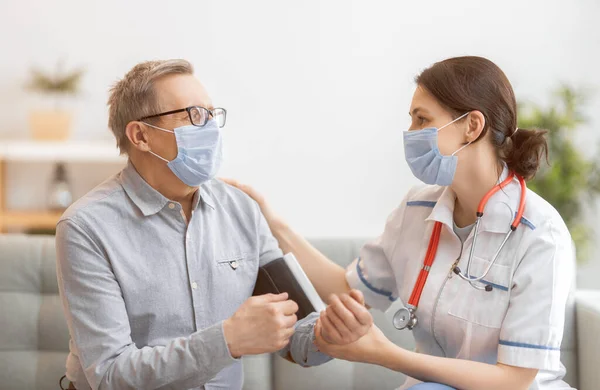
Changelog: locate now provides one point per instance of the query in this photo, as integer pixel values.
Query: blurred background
(317, 94)
(317, 91)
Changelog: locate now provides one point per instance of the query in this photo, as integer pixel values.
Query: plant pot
(50, 125)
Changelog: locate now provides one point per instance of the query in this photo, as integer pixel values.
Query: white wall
(317, 91)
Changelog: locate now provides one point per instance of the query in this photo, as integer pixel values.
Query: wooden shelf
(65, 151)
(29, 219)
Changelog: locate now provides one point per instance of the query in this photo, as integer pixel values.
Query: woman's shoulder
(420, 198)
(423, 193)
(543, 216)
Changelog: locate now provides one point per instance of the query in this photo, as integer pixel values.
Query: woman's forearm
(458, 373)
(327, 276)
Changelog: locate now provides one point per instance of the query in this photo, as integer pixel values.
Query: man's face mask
(199, 152)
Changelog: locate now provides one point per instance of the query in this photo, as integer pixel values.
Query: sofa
(34, 336)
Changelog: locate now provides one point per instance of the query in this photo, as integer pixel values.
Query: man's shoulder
(228, 196)
(98, 201)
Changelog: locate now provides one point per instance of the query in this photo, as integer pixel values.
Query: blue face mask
(424, 158)
(199, 152)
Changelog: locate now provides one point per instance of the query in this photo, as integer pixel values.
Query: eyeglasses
(199, 116)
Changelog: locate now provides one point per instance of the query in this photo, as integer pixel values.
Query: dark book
(286, 275)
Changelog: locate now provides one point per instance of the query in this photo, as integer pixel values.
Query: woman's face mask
(424, 158)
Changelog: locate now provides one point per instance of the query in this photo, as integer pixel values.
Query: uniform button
(234, 264)
(187, 236)
(171, 206)
(194, 285)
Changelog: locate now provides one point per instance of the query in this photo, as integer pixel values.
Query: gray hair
(133, 97)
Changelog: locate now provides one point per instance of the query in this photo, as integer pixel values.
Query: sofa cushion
(34, 339)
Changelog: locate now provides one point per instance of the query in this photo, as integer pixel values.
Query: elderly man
(156, 266)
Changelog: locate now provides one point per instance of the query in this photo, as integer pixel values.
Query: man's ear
(475, 125)
(137, 133)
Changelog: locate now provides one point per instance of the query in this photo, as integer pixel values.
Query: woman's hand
(366, 349)
(272, 219)
(346, 319)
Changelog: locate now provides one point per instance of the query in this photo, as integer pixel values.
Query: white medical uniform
(519, 323)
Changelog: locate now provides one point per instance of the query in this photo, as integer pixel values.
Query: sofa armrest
(588, 338)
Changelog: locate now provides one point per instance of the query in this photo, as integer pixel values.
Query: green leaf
(571, 180)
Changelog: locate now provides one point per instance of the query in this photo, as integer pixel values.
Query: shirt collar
(498, 214)
(149, 200)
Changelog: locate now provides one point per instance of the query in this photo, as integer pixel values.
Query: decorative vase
(50, 125)
(60, 195)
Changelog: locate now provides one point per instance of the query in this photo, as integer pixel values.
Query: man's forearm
(183, 363)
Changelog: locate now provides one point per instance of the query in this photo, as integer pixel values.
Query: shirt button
(234, 264)
(187, 236)
(194, 285)
(171, 206)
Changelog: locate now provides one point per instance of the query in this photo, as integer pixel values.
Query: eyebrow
(414, 111)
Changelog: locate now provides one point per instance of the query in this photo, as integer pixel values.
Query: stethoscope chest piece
(404, 318)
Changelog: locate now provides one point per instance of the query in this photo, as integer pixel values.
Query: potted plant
(571, 181)
(53, 123)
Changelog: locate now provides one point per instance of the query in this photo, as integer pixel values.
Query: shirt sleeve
(268, 246)
(302, 347)
(372, 272)
(99, 326)
(532, 330)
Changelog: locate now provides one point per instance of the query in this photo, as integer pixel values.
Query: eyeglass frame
(189, 111)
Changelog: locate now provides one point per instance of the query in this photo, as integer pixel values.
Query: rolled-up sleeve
(302, 347)
(532, 330)
(372, 272)
(98, 323)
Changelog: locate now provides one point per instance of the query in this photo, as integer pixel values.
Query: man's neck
(158, 175)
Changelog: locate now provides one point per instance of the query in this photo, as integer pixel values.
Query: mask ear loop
(161, 129)
(457, 119)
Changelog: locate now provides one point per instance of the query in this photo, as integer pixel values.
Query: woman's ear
(137, 135)
(475, 125)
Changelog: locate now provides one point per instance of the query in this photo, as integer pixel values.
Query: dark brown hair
(464, 84)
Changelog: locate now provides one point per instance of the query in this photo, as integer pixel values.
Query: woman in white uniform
(486, 308)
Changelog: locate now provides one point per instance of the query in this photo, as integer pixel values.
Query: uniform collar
(147, 199)
(498, 213)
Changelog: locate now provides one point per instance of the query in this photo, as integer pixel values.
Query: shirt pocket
(485, 308)
(237, 272)
(234, 261)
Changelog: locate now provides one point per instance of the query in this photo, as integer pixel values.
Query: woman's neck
(470, 186)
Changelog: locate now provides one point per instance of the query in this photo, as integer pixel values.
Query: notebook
(286, 275)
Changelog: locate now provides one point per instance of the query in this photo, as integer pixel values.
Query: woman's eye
(421, 120)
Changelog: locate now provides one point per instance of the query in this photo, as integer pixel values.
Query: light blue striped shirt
(145, 292)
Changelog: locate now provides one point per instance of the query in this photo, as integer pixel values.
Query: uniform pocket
(485, 308)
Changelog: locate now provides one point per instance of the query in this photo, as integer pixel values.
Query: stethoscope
(405, 317)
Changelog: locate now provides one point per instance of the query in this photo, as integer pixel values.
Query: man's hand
(262, 324)
(346, 319)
